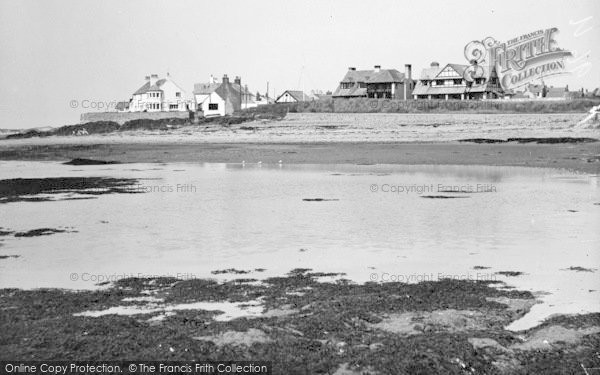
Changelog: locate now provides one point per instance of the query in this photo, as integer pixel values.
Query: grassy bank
(366, 105)
(306, 326)
(105, 127)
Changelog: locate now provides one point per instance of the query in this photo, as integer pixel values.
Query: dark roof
(354, 91)
(357, 76)
(146, 88)
(205, 88)
(229, 95)
(121, 106)
(386, 75)
(371, 76)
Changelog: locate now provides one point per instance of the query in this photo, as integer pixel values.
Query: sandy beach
(582, 157)
(210, 279)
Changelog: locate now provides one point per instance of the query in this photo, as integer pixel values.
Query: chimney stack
(147, 78)
(407, 80)
(153, 79)
(377, 68)
(225, 79)
(352, 68)
(238, 81)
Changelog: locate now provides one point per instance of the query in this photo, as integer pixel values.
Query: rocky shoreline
(304, 324)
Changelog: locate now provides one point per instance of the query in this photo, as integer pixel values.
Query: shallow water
(199, 218)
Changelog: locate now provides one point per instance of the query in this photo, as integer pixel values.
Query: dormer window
(424, 82)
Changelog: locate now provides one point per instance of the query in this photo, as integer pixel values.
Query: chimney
(238, 81)
(352, 68)
(435, 64)
(377, 68)
(225, 79)
(147, 78)
(153, 79)
(407, 80)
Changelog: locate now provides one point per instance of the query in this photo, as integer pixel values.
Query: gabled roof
(386, 75)
(459, 68)
(430, 73)
(296, 94)
(357, 76)
(371, 76)
(434, 71)
(205, 88)
(147, 88)
(229, 95)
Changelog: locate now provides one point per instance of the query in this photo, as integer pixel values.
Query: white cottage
(292, 96)
(220, 99)
(159, 95)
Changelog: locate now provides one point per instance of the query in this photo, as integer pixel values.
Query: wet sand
(582, 157)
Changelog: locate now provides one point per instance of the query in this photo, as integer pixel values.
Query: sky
(56, 53)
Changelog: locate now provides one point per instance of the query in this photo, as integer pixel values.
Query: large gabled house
(376, 83)
(448, 82)
(159, 95)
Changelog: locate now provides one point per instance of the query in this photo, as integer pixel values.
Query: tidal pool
(534, 229)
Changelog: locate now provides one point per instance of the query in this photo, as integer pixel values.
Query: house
(225, 98)
(376, 83)
(558, 93)
(263, 99)
(449, 83)
(122, 106)
(159, 95)
(291, 96)
(541, 91)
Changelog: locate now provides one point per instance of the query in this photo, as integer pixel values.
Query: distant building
(558, 93)
(376, 83)
(225, 98)
(159, 95)
(123, 106)
(449, 83)
(541, 91)
(291, 96)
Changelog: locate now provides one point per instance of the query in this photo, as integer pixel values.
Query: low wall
(122, 117)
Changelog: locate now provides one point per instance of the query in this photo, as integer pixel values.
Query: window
(213, 106)
(173, 106)
(458, 81)
(424, 83)
(178, 94)
(439, 82)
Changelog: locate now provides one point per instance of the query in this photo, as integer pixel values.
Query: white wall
(166, 98)
(286, 98)
(204, 100)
